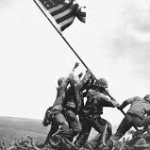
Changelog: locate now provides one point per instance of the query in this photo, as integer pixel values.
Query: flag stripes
(63, 13)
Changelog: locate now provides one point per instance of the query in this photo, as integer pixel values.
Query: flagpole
(71, 48)
(61, 35)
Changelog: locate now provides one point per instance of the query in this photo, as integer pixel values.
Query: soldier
(57, 108)
(54, 115)
(73, 101)
(136, 116)
(48, 120)
(96, 100)
(67, 104)
(62, 134)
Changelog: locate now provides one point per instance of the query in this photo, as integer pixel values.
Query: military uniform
(92, 111)
(57, 109)
(136, 116)
(53, 129)
(94, 143)
(73, 102)
(63, 135)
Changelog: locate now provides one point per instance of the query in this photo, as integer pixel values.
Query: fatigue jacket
(95, 103)
(74, 97)
(61, 93)
(139, 106)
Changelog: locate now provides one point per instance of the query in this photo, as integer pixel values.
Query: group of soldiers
(78, 108)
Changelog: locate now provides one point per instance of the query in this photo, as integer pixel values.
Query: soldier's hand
(75, 66)
(120, 107)
(116, 104)
(88, 71)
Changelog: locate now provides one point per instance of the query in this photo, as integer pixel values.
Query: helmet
(102, 83)
(147, 97)
(61, 80)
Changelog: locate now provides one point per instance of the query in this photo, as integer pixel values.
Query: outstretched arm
(106, 102)
(127, 102)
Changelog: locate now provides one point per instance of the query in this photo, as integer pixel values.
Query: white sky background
(114, 43)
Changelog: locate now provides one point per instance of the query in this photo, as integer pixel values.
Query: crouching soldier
(136, 116)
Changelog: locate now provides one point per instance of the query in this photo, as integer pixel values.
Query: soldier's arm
(61, 92)
(75, 83)
(127, 102)
(106, 102)
(88, 78)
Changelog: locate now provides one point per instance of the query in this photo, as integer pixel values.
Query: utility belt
(90, 116)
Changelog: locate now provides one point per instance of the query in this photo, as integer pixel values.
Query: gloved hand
(120, 107)
(88, 72)
(116, 104)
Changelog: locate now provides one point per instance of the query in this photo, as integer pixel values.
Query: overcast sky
(114, 43)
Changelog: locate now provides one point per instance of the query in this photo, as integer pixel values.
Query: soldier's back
(139, 106)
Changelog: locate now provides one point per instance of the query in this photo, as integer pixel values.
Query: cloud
(5, 4)
(131, 41)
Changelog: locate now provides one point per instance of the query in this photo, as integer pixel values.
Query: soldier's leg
(54, 128)
(124, 126)
(62, 135)
(94, 142)
(58, 123)
(99, 125)
(146, 121)
(74, 124)
(63, 126)
(84, 134)
(60, 119)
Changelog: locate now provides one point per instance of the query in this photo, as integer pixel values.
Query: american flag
(64, 12)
